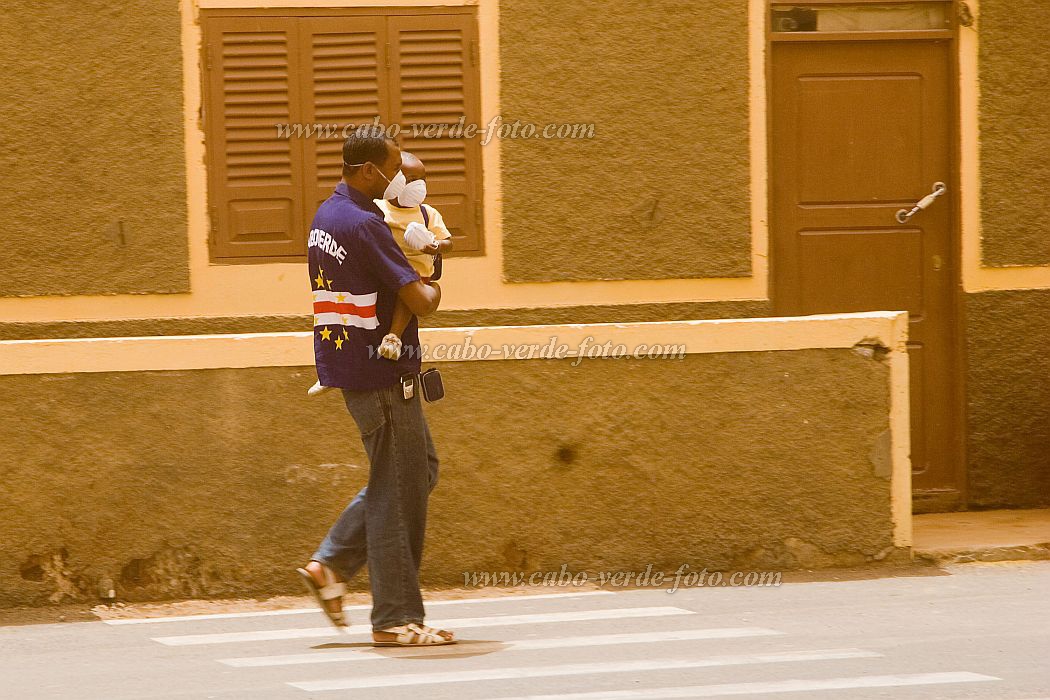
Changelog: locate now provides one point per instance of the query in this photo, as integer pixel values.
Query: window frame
(472, 83)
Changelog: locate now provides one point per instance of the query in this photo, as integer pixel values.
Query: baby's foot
(317, 389)
(390, 348)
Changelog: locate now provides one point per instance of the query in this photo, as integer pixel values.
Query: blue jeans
(385, 522)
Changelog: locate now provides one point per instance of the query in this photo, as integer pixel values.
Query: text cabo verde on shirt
(324, 241)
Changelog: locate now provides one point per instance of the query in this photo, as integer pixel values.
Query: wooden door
(860, 130)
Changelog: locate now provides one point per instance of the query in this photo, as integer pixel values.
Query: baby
(421, 234)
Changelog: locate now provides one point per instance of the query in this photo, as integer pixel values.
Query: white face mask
(393, 187)
(413, 194)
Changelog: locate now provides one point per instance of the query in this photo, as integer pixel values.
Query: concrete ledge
(142, 353)
(197, 466)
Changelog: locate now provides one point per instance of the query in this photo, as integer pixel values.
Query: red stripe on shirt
(323, 307)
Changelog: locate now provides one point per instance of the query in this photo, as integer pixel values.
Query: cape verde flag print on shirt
(356, 270)
(343, 309)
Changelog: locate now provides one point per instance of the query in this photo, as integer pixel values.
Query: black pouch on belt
(433, 388)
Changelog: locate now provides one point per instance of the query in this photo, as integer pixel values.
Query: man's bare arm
(422, 299)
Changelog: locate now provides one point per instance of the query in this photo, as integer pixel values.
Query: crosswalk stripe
(516, 645)
(464, 622)
(578, 669)
(788, 686)
(304, 611)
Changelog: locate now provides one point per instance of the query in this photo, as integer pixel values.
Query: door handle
(903, 215)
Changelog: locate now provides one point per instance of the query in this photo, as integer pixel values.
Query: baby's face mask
(413, 193)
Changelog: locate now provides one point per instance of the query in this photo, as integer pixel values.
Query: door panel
(877, 141)
(861, 130)
(842, 271)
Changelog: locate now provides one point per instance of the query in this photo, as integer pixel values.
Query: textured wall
(210, 325)
(1008, 390)
(628, 313)
(663, 188)
(188, 484)
(1015, 132)
(93, 198)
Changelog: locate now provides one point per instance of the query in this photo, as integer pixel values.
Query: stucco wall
(662, 191)
(1008, 392)
(91, 150)
(218, 481)
(1015, 132)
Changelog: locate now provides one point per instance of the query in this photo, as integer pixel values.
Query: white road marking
(454, 623)
(428, 678)
(304, 611)
(789, 686)
(391, 654)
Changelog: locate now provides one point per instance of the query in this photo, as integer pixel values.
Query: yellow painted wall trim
(759, 139)
(195, 352)
(900, 434)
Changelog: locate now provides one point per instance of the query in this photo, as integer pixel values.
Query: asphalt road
(982, 631)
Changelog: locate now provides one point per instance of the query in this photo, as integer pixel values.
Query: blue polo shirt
(356, 270)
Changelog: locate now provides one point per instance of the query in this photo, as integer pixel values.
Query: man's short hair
(366, 144)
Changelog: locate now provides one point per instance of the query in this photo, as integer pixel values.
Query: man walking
(357, 275)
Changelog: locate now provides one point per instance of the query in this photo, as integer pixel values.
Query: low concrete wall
(197, 466)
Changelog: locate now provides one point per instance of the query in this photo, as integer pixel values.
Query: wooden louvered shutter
(346, 82)
(434, 80)
(255, 178)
